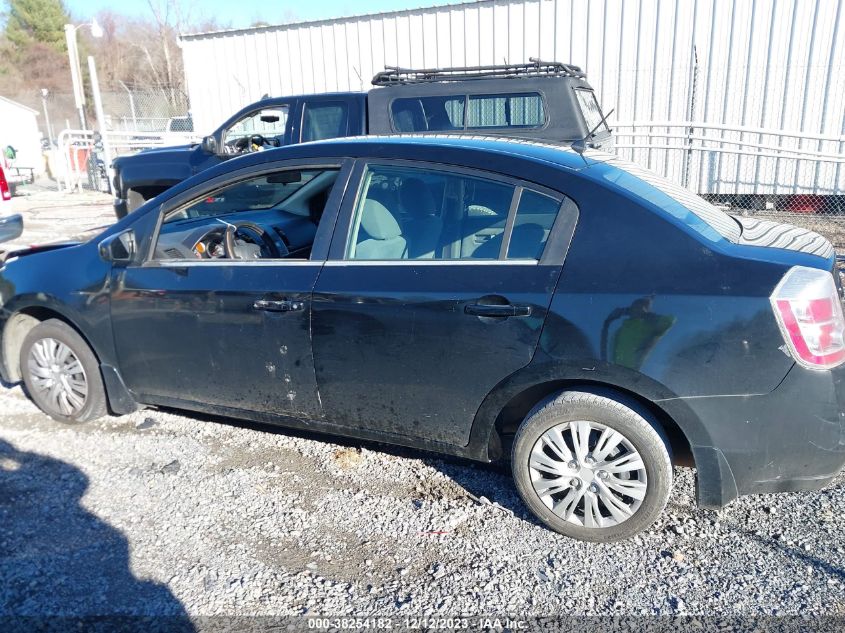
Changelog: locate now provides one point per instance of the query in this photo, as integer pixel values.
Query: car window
(325, 120)
(268, 124)
(272, 216)
(420, 213)
(534, 219)
(428, 114)
(511, 110)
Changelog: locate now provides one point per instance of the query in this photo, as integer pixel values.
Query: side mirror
(209, 145)
(120, 248)
(11, 228)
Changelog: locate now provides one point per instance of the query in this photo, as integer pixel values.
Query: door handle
(284, 305)
(493, 310)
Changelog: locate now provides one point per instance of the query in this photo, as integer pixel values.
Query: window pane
(591, 110)
(418, 213)
(269, 123)
(535, 216)
(325, 120)
(517, 110)
(274, 216)
(428, 114)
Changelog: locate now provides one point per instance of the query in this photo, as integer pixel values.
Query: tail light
(5, 193)
(809, 312)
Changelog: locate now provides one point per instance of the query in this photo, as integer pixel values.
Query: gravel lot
(164, 513)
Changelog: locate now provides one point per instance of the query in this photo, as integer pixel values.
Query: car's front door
(219, 314)
(436, 290)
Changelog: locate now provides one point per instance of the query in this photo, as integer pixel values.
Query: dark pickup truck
(547, 101)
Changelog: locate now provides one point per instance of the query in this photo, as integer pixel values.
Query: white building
(19, 128)
(736, 86)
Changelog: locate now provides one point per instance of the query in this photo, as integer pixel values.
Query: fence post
(690, 116)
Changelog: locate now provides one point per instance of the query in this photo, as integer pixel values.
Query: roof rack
(394, 75)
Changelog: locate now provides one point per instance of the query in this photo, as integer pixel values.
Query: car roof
(606, 170)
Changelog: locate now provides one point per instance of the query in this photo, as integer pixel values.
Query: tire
(582, 500)
(55, 351)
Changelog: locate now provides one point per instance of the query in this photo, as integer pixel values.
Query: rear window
(472, 112)
(674, 199)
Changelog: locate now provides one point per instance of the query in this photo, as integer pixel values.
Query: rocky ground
(164, 513)
(159, 512)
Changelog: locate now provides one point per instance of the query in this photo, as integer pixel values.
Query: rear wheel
(592, 467)
(61, 373)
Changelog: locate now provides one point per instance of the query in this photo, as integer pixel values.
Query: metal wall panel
(767, 65)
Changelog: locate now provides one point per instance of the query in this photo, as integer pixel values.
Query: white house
(19, 128)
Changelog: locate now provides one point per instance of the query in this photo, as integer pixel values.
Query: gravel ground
(159, 512)
(51, 216)
(164, 513)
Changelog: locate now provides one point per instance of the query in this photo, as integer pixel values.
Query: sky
(243, 13)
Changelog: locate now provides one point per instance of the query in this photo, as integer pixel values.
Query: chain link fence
(144, 110)
(134, 119)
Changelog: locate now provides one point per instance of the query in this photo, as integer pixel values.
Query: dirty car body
(302, 287)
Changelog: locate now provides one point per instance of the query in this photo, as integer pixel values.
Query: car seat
(423, 228)
(379, 236)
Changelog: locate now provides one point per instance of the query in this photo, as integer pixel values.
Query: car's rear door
(436, 289)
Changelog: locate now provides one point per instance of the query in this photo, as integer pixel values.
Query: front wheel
(592, 467)
(61, 373)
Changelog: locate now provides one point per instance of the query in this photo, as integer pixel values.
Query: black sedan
(490, 299)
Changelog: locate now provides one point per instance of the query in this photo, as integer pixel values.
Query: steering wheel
(257, 235)
(244, 144)
(257, 139)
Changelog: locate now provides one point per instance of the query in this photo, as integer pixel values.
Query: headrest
(416, 198)
(378, 222)
(409, 116)
(526, 241)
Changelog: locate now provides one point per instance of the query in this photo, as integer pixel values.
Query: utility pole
(101, 117)
(44, 94)
(75, 74)
(75, 69)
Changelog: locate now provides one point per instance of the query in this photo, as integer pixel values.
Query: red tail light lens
(5, 193)
(809, 312)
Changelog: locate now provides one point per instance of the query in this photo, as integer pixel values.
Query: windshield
(256, 194)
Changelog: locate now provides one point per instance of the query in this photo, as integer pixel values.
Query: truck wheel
(61, 373)
(592, 467)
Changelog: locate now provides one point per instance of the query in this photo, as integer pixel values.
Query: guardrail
(728, 159)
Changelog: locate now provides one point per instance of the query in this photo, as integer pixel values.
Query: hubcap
(588, 474)
(58, 376)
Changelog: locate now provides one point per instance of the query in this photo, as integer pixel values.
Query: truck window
(181, 124)
(506, 110)
(591, 110)
(445, 113)
(268, 124)
(428, 114)
(325, 120)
